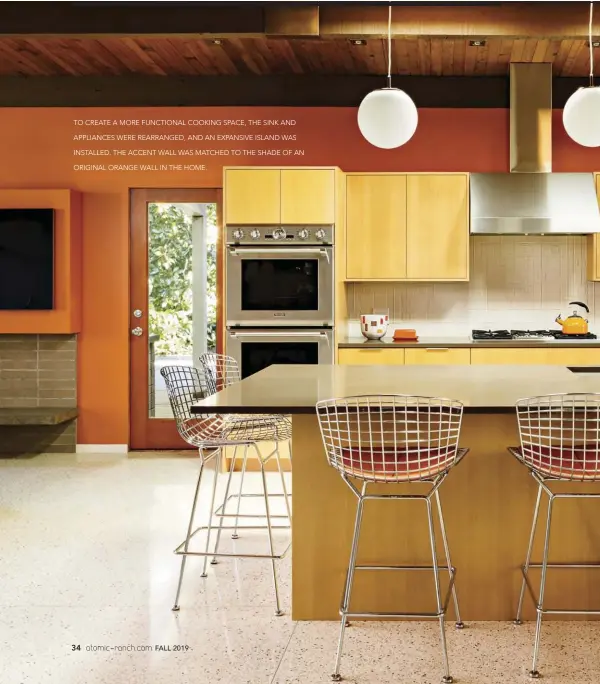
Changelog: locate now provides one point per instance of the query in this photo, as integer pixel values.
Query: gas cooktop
(520, 335)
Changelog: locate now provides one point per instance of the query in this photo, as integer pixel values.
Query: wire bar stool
(211, 433)
(220, 372)
(394, 439)
(560, 442)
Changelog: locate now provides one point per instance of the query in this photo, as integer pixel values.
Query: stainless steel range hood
(531, 200)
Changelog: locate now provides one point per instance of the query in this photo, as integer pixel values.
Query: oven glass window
(280, 284)
(259, 355)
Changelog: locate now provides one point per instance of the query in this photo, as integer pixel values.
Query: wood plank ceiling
(186, 55)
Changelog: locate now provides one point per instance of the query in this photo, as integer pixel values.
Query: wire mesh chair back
(220, 371)
(394, 438)
(560, 435)
(185, 386)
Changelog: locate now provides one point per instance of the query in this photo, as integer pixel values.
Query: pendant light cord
(591, 45)
(389, 73)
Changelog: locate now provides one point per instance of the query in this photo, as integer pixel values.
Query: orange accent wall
(37, 153)
(65, 317)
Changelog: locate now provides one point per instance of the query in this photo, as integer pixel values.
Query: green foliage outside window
(170, 279)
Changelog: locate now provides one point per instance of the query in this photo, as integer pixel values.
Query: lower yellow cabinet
(532, 357)
(374, 356)
(437, 356)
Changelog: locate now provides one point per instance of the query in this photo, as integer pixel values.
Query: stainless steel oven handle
(278, 334)
(278, 250)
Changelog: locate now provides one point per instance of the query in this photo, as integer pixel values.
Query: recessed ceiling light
(217, 41)
(358, 41)
(477, 43)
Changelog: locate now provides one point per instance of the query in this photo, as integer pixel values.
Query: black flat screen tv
(26, 259)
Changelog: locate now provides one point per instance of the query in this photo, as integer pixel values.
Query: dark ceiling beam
(134, 18)
(293, 91)
(325, 19)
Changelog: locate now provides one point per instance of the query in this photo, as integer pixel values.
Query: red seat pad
(582, 458)
(390, 459)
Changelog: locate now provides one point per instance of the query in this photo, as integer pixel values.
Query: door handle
(138, 332)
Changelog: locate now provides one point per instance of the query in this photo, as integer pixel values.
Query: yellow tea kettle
(574, 324)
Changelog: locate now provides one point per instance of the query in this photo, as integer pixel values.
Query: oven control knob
(255, 234)
(238, 234)
(303, 234)
(279, 234)
(320, 234)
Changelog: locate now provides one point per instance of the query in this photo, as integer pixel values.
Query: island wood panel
(437, 356)
(488, 505)
(375, 227)
(308, 196)
(371, 357)
(437, 227)
(252, 196)
(544, 356)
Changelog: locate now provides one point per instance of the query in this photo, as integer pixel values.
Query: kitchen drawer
(437, 356)
(375, 356)
(537, 356)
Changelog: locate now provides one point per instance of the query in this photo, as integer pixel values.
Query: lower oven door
(275, 286)
(256, 349)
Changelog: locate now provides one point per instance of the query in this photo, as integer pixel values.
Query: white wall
(516, 282)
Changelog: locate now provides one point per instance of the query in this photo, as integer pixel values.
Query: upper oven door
(279, 285)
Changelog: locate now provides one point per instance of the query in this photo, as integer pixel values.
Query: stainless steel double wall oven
(280, 295)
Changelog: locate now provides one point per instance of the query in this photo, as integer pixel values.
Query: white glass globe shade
(387, 118)
(581, 116)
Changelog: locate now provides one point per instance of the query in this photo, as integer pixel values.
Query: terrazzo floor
(86, 559)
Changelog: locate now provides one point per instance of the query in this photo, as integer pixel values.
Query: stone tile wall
(38, 370)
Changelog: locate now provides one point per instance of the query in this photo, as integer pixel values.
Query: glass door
(176, 280)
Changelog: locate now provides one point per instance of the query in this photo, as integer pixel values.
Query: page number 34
(75, 647)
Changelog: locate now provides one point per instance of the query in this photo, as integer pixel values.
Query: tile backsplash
(516, 282)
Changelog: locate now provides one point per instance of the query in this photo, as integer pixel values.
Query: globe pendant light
(387, 117)
(581, 115)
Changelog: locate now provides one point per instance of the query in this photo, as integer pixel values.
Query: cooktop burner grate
(527, 335)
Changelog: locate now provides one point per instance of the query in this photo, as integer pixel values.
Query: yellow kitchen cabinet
(593, 254)
(437, 227)
(375, 227)
(375, 356)
(438, 356)
(252, 196)
(537, 356)
(307, 196)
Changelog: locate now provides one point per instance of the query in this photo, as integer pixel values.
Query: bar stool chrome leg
(214, 561)
(536, 512)
(459, 623)
(286, 496)
(189, 534)
(534, 674)
(211, 509)
(446, 679)
(278, 610)
(239, 498)
(336, 676)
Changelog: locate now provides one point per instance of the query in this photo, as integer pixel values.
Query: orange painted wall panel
(37, 149)
(65, 317)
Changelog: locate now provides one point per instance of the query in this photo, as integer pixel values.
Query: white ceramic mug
(374, 326)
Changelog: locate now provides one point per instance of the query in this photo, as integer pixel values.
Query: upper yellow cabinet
(407, 227)
(376, 227)
(273, 196)
(437, 233)
(308, 196)
(593, 256)
(252, 196)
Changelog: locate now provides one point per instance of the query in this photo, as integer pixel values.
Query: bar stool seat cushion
(398, 463)
(577, 461)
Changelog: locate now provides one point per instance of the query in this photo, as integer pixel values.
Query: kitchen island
(488, 499)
